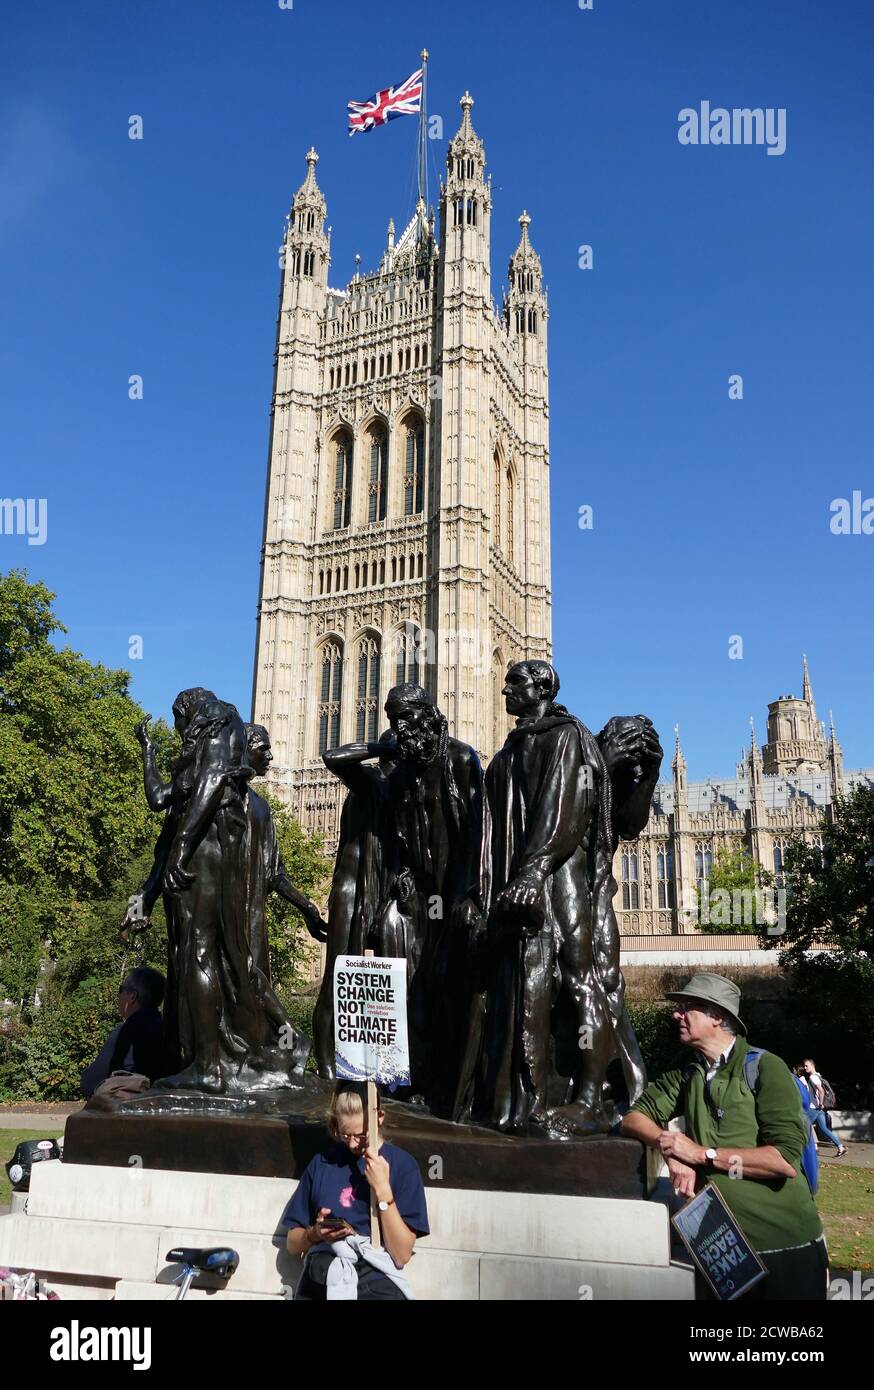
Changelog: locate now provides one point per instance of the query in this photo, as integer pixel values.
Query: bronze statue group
(497, 890)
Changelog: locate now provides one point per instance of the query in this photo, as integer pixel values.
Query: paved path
(51, 1117)
(857, 1156)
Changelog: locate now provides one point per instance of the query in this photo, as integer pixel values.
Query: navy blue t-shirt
(335, 1179)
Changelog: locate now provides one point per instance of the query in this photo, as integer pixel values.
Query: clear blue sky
(159, 257)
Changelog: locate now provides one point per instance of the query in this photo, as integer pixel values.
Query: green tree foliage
(830, 892)
(735, 902)
(76, 840)
(72, 814)
(830, 902)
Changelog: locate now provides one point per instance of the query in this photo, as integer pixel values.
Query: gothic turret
(465, 211)
(796, 739)
(525, 305)
(306, 241)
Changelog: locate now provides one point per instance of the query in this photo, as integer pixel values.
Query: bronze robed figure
(215, 860)
(406, 868)
(551, 1016)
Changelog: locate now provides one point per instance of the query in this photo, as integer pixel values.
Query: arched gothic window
(377, 492)
(342, 481)
(630, 889)
(407, 655)
(511, 513)
(414, 467)
(665, 875)
(330, 696)
(367, 704)
(703, 866)
(779, 864)
(496, 519)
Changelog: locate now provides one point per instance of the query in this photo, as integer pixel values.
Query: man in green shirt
(748, 1143)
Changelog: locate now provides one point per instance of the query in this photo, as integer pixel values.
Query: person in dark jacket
(137, 1044)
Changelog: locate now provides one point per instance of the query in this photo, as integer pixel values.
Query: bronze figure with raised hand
(225, 1027)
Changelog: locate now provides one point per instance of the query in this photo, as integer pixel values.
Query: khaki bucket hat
(713, 989)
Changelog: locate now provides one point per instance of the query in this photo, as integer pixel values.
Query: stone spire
(306, 227)
(465, 219)
(807, 690)
(525, 305)
(525, 259)
(835, 759)
(466, 156)
(309, 195)
(678, 766)
(305, 257)
(754, 762)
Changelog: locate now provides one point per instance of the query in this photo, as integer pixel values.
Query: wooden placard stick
(373, 1140)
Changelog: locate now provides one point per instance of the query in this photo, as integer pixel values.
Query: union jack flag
(404, 100)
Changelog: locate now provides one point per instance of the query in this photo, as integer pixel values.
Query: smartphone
(333, 1223)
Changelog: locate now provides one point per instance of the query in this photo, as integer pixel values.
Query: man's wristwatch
(710, 1155)
(384, 1206)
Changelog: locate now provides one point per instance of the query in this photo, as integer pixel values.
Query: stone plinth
(276, 1136)
(511, 1218)
(104, 1232)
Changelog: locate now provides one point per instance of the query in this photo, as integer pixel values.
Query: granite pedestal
(511, 1218)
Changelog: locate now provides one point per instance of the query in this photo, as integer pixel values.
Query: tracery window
(630, 888)
(780, 863)
(407, 655)
(703, 866)
(367, 705)
(330, 696)
(342, 481)
(377, 493)
(414, 467)
(665, 876)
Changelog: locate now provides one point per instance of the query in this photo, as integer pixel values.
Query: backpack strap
(751, 1067)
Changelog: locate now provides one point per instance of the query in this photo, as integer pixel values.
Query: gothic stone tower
(406, 531)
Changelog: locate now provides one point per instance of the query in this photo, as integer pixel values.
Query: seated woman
(329, 1215)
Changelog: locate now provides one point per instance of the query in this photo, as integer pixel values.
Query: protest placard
(718, 1245)
(370, 1020)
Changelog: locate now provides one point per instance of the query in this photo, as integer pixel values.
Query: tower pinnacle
(309, 184)
(807, 690)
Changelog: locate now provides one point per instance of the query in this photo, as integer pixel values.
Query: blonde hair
(346, 1104)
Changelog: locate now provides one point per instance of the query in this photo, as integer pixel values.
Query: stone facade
(784, 789)
(406, 529)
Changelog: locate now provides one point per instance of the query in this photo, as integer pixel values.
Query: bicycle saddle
(217, 1259)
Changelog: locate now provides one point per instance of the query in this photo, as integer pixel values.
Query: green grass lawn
(9, 1140)
(845, 1200)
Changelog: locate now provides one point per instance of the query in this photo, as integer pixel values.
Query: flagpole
(423, 164)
